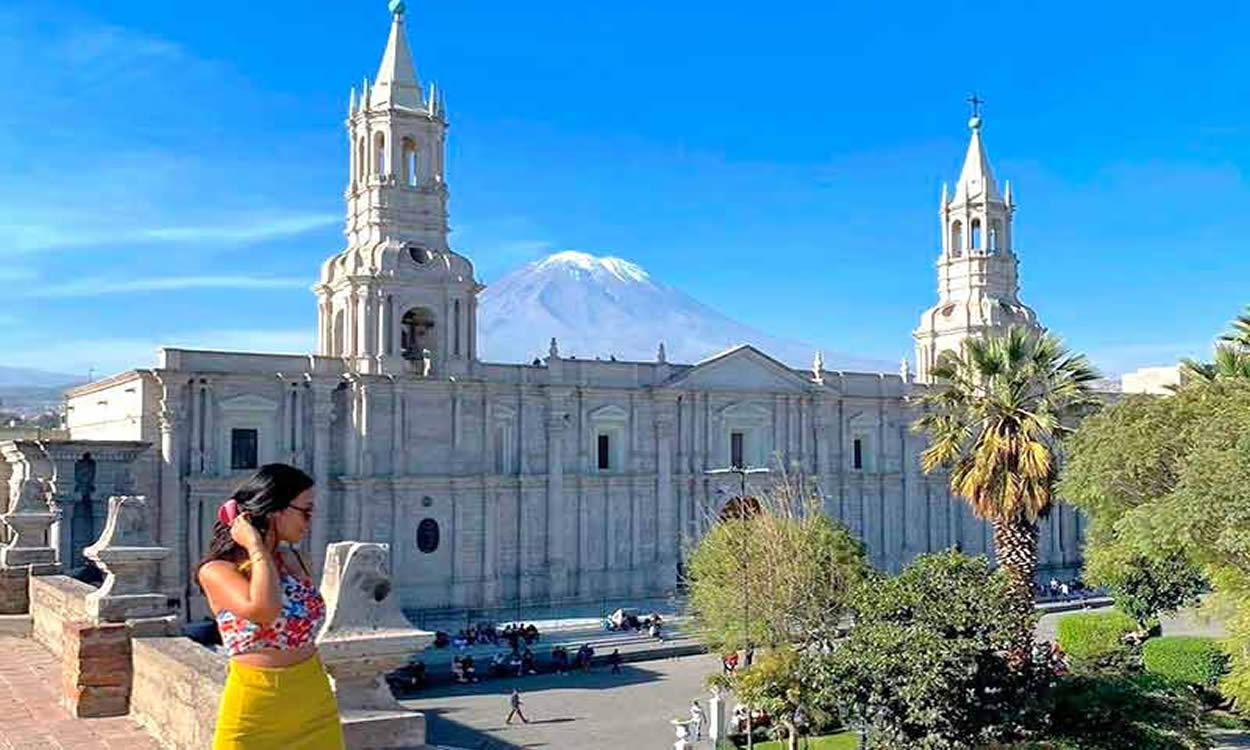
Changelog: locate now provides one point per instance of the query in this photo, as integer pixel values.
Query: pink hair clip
(227, 512)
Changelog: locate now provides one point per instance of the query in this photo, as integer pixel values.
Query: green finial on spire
(396, 6)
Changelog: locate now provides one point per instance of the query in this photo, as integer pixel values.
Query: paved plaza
(595, 710)
(31, 717)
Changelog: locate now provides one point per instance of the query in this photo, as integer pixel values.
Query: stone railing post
(364, 638)
(131, 563)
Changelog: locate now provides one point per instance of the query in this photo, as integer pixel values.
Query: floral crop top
(303, 613)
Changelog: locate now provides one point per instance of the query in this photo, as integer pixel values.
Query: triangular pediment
(743, 368)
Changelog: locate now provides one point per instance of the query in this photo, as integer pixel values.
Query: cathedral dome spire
(976, 179)
(396, 84)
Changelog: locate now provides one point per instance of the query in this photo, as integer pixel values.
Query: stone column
(717, 717)
(323, 416)
(173, 523)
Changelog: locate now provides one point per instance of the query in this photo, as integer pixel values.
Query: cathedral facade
(554, 481)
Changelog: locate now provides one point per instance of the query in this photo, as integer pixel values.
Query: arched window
(996, 235)
(957, 238)
(411, 163)
(976, 234)
(379, 154)
(416, 333)
(427, 535)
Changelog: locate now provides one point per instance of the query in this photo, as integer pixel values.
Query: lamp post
(742, 471)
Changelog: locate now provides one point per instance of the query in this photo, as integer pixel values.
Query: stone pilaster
(174, 525)
(667, 526)
(558, 529)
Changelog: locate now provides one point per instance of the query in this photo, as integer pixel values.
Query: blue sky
(173, 172)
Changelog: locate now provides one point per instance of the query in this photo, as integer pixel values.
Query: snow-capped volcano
(609, 307)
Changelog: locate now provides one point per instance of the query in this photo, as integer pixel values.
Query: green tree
(1168, 477)
(1232, 355)
(930, 662)
(995, 421)
(779, 575)
(775, 684)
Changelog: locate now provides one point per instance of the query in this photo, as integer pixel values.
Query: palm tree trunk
(1015, 545)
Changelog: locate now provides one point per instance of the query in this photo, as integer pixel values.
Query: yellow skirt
(291, 708)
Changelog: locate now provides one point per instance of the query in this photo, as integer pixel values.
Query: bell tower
(398, 299)
(978, 284)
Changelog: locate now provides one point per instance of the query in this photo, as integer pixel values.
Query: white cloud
(89, 231)
(95, 287)
(245, 232)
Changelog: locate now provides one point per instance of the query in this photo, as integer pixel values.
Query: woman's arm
(257, 597)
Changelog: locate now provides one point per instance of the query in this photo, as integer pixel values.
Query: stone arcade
(497, 483)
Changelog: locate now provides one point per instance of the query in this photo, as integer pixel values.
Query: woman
(269, 611)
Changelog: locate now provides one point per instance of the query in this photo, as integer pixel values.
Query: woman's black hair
(270, 490)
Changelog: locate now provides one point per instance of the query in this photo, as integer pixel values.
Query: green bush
(1189, 659)
(1095, 637)
(1112, 712)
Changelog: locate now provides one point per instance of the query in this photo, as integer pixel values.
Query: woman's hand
(245, 534)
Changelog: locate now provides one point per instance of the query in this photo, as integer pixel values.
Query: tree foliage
(929, 663)
(788, 563)
(1166, 480)
(995, 422)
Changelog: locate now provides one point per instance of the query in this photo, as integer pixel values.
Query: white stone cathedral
(556, 481)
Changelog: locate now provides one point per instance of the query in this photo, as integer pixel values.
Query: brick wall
(177, 687)
(95, 669)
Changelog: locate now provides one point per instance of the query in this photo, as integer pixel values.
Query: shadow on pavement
(441, 730)
(600, 678)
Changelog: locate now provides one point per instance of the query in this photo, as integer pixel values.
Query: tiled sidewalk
(32, 719)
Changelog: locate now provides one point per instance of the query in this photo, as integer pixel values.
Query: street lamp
(742, 472)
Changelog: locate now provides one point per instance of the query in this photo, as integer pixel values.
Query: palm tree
(994, 420)
(1230, 361)
(1232, 355)
(1240, 333)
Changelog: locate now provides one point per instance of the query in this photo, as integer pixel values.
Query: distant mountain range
(31, 392)
(609, 307)
(26, 377)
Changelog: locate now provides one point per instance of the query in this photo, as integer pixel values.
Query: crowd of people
(1063, 590)
(488, 633)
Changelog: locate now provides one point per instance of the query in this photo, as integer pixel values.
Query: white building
(1156, 381)
(567, 479)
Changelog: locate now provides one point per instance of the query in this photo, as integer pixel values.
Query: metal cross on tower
(976, 103)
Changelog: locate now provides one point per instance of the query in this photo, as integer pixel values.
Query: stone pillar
(366, 636)
(174, 526)
(130, 560)
(667, 529)
(717, 718)
(557, 521)
(323, 416)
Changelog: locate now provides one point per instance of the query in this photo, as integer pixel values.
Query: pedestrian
(696, 720)
(268, 610)
(515, 702)
(615, 660)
